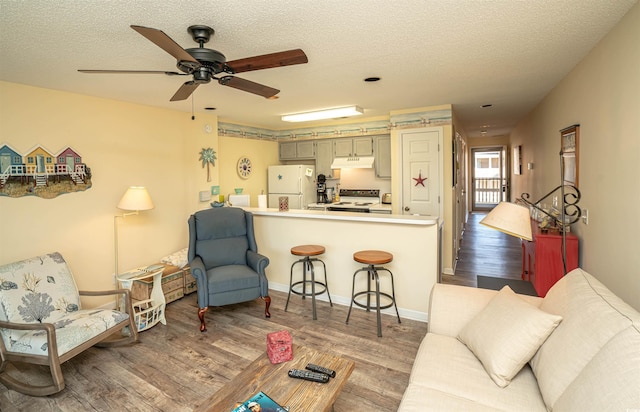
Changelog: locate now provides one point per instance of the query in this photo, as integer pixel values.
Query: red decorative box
(279, 346)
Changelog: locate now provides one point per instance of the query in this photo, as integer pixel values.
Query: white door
(489, 178)
(421, 172)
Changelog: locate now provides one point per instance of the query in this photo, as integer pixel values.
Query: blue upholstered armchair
(224, 259)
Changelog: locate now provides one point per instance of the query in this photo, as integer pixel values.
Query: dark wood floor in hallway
(487, 252)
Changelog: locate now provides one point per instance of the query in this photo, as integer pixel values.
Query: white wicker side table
(150, 311)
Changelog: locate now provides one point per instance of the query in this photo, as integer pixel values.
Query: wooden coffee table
(298, 394)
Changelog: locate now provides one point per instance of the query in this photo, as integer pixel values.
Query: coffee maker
(321, 189)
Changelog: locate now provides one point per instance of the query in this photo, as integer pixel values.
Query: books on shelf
(259, 402)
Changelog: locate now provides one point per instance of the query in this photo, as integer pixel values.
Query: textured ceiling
(467, 52)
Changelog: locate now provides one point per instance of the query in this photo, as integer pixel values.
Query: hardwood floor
(485, 251)
(176, 368)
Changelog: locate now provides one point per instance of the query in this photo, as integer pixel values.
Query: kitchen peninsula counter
(413, 241)
(350, 216)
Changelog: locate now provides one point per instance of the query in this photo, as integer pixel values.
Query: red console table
(542, 258)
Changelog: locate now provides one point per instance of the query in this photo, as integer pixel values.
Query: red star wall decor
(419, 180)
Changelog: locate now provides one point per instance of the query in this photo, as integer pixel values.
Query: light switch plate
(205, 196)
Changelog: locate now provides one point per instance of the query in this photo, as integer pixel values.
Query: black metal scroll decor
(570, 196)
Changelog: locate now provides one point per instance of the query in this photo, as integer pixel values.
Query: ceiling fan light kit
(204, 64)
(324, 114)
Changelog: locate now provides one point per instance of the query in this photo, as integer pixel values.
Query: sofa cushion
(506, 334)
(592, 316)
(222, 235)
(422, 398)
(611, 381)
(222, 252)
(451, 307)
(446, 368)
(231, 278)
(73, 330)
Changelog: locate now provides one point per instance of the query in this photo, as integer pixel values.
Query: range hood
(362, 162)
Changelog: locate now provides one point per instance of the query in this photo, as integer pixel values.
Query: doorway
(490, 182)
(421, 181)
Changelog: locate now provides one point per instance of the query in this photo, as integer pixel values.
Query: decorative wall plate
(244, 167)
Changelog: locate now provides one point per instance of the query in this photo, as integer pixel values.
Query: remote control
(308, 375)
(320, 369)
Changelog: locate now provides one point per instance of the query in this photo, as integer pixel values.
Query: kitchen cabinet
(542, 258)
(324, 151)
(343, 147)
(357, 146)
(287, 150)
(383, 157)
(304, 149)
(324, 158)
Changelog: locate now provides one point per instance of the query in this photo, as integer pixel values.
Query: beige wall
(124, 145)
(262, 153)
(602, 94)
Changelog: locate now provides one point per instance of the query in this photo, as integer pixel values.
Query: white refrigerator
(297, 182)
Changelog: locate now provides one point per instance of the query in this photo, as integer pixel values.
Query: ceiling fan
(204, 64)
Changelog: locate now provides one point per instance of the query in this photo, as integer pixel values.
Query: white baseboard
(339, 300)
(346, 301)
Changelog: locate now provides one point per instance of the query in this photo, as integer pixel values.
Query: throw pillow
(506, 334)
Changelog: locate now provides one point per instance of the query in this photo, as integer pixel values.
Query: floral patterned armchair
(42, 321)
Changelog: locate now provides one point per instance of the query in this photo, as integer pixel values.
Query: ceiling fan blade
(134, 72)
(267, 61)
(248, 86)
(166, 43)
(185, 91)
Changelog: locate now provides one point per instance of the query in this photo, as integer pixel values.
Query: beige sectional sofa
(577, 349)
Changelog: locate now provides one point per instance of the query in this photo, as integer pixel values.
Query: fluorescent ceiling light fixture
(324, 114)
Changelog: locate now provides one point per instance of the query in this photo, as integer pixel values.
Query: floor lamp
(510, 218)
(135, 199)
(515, 220)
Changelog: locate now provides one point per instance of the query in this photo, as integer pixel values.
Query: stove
(356, 200)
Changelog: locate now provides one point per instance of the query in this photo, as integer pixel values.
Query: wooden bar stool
(372, 258)
(307, 266)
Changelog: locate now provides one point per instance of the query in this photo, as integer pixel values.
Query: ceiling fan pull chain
(193, 116)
